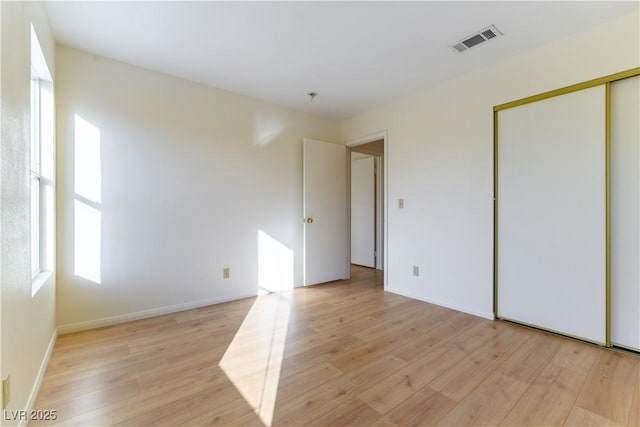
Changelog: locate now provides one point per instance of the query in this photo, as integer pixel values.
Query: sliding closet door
(625, 213)
(551, 214)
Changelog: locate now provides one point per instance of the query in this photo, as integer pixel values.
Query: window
(35, 176)
(41, 167)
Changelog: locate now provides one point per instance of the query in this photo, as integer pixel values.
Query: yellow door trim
(573, 88)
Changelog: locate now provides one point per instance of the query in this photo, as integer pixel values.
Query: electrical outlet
(416, 270)
(400, 203)
(6, 391)
(226, 273)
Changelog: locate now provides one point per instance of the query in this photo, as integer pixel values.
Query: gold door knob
(309, 220)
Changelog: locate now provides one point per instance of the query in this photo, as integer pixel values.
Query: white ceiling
(356, 55)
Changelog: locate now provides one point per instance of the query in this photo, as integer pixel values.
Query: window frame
(40, 177)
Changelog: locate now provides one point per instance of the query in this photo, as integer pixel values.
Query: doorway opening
(367, 195)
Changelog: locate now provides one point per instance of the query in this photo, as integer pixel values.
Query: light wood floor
(336, 354)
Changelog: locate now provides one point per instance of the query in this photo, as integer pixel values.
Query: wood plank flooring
(343, 353)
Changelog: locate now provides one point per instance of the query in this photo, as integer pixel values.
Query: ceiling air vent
(477, 38)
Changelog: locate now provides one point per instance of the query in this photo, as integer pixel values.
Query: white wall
(190, 175)
(440, 160)
(27, 323)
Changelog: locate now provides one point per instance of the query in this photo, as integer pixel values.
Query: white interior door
(363, 205)
(625, 213)
(551, 214)
(325, 212)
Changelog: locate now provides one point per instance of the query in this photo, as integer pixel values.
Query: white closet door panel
(625, 213)
(551, 214)
(363, 205)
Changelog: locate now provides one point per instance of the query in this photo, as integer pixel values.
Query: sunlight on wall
(275, 264)
(253, 360)
(266, 130)
(87, 241)
(87, 167)
(88, 197)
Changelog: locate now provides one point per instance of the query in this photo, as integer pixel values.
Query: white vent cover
(481, 36)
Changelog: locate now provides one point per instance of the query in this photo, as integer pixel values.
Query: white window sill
(39, 281)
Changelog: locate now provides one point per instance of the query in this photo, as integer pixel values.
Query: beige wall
(28, 323)
(440, 160)
(190, 176)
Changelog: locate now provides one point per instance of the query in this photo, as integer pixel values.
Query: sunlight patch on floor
(253, 360)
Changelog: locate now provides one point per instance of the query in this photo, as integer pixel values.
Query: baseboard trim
(121, 318)
(484, 315)
(40, 376)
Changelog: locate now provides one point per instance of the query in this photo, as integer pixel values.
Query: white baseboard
(121, 318)
(40, 376)
(485, 315)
